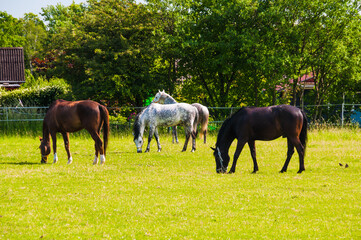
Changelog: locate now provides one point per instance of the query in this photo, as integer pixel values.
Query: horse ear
(163, 91)
(213, 149)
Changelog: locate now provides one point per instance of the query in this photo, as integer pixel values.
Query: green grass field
(178, 195)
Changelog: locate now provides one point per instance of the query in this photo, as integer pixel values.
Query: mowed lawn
(178, 195)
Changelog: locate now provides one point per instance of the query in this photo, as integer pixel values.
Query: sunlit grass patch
(174, 194)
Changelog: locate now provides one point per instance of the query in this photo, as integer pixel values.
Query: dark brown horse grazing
(64, 117)
(261, 123)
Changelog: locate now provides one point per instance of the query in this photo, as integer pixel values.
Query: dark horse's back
(269, 123)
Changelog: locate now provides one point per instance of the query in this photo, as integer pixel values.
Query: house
(12, 69)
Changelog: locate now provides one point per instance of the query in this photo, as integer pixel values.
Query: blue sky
(17, 8)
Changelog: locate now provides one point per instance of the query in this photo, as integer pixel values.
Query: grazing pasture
(178, 195)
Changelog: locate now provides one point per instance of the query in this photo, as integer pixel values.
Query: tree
(333, 56)
(35, 34)
(10, 31)
(108, 52)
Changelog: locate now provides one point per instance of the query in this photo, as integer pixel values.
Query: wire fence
(122, 118)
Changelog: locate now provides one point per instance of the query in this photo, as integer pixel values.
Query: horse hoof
(102, 159)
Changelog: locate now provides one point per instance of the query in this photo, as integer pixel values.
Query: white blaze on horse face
(55, 158)
(139, 143)
(70, 160)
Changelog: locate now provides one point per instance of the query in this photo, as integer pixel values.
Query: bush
(38, 93)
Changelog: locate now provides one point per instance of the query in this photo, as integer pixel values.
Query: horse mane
(136, 126)
(54, 103)
(168, 96)
(226, 124)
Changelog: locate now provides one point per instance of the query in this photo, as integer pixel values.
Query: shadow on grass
(20, 163)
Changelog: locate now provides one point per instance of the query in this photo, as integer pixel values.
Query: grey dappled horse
(165, 115)
(203, 113)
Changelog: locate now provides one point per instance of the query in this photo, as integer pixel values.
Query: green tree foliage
(218, 52)
(34, 31)
(11, 34)
(109, 52)
(240, 51)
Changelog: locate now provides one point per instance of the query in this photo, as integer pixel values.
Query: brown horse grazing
(261, 123)
(64, 117)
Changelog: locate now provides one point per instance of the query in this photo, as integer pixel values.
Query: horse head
(45, 150)
(138, 134)
(138, 143)
(221, 162)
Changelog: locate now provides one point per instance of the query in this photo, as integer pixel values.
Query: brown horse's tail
(105, 118)
(204, 123)
(303, 134)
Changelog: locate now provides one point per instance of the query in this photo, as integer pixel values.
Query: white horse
(165, 115)
(203, 113)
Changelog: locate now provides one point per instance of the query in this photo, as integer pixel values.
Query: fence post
(342, 109)
(7, 118)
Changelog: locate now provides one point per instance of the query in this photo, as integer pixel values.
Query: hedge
(33, 96)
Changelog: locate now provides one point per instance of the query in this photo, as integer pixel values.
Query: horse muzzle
(44, 158)
(139, 150)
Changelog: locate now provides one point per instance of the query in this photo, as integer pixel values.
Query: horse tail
(104, 115)
(303, 134)
(204, 123)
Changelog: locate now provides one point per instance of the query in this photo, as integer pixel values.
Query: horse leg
(194, 136)
(157, 139)
(290, 152)
(98, 147)
(175, 134)
(53, 137)
(67, 145)
(150, 136)
(238, 151)
(188, 134)
(301, 154)
(252, 148)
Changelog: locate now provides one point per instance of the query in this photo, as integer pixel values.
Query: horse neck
(225, 138)
(169, 100)
(140, 124)
(46, 133)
